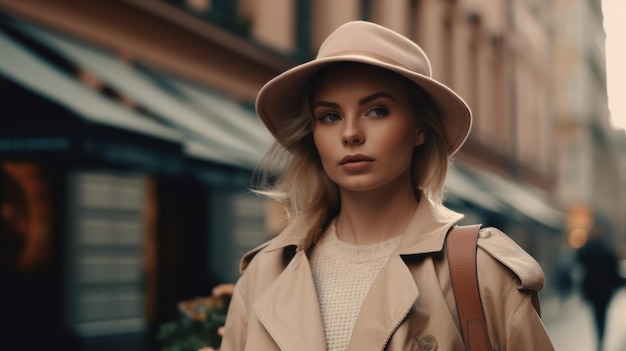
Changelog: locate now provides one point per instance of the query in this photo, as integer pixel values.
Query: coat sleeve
(525, 331)
(509, 281)
(235, 330)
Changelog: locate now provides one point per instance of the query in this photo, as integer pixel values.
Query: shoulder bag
(461, 252)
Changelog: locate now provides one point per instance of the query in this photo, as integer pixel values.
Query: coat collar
(289, 308)
(425, 232)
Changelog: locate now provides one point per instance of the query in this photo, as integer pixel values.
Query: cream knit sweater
(343, 274)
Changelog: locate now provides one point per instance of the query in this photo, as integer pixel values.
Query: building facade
(590, 162)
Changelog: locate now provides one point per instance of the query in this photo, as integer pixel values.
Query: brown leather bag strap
(461, 249)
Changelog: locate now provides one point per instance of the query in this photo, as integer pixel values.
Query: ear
(420, 138)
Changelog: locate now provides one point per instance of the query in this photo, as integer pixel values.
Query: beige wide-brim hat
(281, 99)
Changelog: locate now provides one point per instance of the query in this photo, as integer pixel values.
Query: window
(303, 28)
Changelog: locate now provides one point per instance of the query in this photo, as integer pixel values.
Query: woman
(361, 266)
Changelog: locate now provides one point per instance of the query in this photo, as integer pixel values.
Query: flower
(197, 308)
(200, 327)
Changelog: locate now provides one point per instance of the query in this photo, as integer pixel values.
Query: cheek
(316, 141)
(321, 144)
(399, 139)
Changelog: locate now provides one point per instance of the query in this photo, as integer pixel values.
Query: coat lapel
(394, 292)
(289, 309)
(388, 301)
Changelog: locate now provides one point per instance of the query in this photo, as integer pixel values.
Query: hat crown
(375, 42)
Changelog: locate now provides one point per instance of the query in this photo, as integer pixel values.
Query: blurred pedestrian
(362, 263)
(600, 278)
(564, 272)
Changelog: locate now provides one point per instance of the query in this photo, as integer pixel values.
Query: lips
(355, 158)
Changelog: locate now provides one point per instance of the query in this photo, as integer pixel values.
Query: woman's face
(364, 128)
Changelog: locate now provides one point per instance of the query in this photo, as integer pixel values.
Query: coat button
(428, 343)
(485, 233)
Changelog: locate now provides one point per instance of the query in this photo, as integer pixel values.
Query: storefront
(113, 212)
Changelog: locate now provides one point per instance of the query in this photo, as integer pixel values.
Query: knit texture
(343, 274)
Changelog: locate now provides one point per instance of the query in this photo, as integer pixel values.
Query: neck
(374, 216)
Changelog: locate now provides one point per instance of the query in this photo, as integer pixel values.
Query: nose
(352, 133)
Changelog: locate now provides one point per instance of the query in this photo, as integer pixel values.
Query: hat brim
(281, 99)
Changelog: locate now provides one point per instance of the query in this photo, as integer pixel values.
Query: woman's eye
(378, 112)
(329, 117)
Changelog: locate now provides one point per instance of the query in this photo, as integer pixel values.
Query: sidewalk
(571, 327)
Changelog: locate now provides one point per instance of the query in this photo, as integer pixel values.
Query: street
(570, 323)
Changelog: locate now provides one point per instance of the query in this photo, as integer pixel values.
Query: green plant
(199, 324)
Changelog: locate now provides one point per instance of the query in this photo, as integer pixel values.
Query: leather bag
(461, 252)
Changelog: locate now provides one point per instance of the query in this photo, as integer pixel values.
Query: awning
(22, 66)
(527, 201)
(116, 134)
(213, 127)
(463, 188)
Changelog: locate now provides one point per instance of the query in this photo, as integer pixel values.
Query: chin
(360, 186)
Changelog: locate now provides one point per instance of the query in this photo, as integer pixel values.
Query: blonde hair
(292, 173)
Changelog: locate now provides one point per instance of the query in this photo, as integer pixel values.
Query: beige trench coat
(410, 305)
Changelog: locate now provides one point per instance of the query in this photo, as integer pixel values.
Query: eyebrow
(362, 101)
